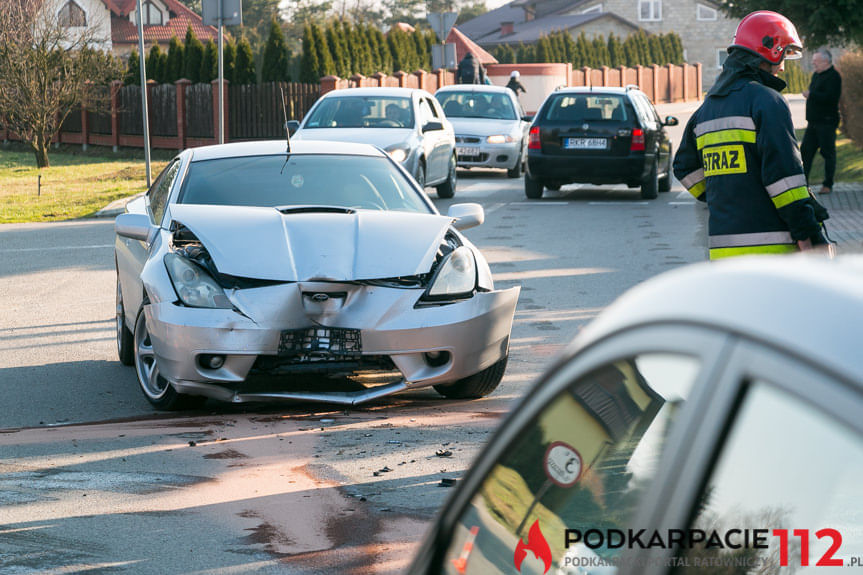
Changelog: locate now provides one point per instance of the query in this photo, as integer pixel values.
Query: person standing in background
(822, 117)
(514, 83)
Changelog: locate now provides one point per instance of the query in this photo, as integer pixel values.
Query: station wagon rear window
(586, 108)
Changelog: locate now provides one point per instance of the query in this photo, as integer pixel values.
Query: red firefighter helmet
(770, 35)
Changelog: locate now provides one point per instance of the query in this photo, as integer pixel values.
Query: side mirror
(527, 119)
(670, 121)
(466, 215)
(134, 226)
(293, 126)
(432, 126)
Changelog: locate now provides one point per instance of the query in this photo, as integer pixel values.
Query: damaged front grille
(276, 365)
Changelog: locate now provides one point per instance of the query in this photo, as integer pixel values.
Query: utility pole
(143, 67)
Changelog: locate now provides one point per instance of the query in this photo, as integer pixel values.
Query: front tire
(515, 171)
(421, 175)
(158, 390)
(532, 188)
(447, 189)
(476, 385)
(665, 183)
(650, 185)
(125, 339)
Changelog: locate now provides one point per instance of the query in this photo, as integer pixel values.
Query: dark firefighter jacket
(740, 155)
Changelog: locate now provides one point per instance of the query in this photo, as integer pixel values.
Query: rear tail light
(637, 140)
(533, 139)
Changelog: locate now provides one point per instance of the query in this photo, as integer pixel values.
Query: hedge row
(635, 49)
(796, 78)
(344, 49)
(851, 68)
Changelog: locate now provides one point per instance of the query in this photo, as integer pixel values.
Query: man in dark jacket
(469, 70)
(739, 152)
(514, 83)
(822, 117)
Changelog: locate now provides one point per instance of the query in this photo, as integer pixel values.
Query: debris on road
(443, 453)
(447, 482)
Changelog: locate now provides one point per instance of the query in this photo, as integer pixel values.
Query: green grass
(849, 162)
(76, 185)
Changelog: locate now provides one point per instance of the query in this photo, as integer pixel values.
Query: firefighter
(739, 152)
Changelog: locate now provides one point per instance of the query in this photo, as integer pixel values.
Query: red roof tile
(124, 31)
(463, 45)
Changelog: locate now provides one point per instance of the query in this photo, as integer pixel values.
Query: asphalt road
(92, 479)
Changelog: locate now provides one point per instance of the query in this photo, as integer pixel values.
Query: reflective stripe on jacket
(740, 155)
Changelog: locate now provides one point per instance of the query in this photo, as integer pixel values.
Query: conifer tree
(244, 67)
(325, 59)
(423, 52)
(643, 48)
(543, 49)
(393, 41)
(560, 46)
(194, 54)
(343, 68)
(600, 48)
(527, 53)
(384, 54)
(657, 54)
(677, 52)
(586, 49)
(630, 51)
(309, 62)
(155, 67)
(274, 66)
(615, 51)
(133, 70)
(374, 49)
(174, 67)
(229, 58)
(209, 63)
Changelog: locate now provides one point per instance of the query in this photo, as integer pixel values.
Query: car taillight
(533, 139)
(637, 140)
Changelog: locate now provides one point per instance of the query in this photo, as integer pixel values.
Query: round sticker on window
(297, 181)
(562, 464)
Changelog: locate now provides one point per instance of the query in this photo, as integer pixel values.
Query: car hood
(482, 127)
(381, 137)
(263, 243)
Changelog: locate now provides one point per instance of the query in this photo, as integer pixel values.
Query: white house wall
(98, 20)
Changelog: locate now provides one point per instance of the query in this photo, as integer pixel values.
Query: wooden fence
(185, 115)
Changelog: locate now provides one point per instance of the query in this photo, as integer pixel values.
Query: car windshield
(586, 108)
(477, 105)
(304, 180)
(362, 112)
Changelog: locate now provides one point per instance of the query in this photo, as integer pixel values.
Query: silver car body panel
(346, 247)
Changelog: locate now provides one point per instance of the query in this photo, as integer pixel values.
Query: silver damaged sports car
(246, 269)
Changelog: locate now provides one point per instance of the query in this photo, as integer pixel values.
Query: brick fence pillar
(115, 114)
(380, 78)
(586, 71)
(441, 77)
(358, 80)
(402, 78)
(671, 69)
(421, 79)
(605, 75)
(655, 68)
(329, 83)
(686, 86)
(181, 86)
(698, 83)
(639, 76)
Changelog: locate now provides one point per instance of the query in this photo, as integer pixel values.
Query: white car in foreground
(245, 267)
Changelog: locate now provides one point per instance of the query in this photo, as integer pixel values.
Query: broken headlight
(455, 277)
(194, 286)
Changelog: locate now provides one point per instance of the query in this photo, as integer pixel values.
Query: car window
(426, 113)
(645, 108)
(160, 191)
(785, 465)
(583, 463)
(586, 108)
(362, 112)
(303, 179)
(469, 104)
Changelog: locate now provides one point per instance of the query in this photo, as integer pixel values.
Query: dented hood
(263, 243)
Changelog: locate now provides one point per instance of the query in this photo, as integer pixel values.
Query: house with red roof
(115, 22)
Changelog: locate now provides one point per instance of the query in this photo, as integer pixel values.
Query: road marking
(681, 203)
(535, 203)
(683, 194)
(57, 248)
(494, 208)
(617, 203)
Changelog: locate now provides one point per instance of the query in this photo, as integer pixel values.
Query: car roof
(807, 305)
(402, 92)
(274, 147)
(473, 88)
(596, 90)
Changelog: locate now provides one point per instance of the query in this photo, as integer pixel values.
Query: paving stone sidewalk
(845, 225)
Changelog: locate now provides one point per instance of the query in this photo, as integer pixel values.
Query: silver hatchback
(490, 126)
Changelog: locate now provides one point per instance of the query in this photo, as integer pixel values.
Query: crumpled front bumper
(489, 155)
(475, 332)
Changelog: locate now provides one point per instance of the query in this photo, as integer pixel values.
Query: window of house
(649, 10)
(721, 55)
(703, 12)
(71, 15)
(152, 14)
(593, 9)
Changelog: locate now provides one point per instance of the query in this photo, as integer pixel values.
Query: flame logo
(537, 544)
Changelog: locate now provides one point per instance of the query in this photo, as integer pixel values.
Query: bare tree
(50, 62)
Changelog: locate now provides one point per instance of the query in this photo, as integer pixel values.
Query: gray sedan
(408, 124)
(490, 126)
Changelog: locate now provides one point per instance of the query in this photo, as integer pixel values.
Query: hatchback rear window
(586, 107)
